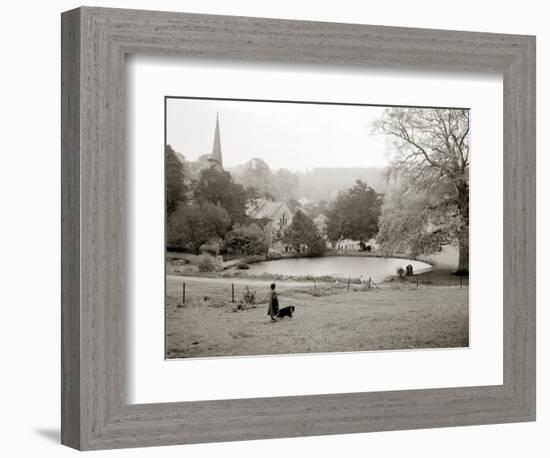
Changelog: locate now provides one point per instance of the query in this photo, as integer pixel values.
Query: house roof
(265, 209)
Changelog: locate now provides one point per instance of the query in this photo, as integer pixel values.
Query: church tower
(216, 156)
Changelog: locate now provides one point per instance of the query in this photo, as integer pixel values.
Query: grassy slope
(327, 319)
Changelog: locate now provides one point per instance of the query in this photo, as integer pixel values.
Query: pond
(338, 266)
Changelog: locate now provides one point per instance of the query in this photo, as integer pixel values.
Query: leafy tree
(190, 226)
(212, 246)
(257, 174)
(302, 235)
(354, 214)
(196, 167)
(217, 187)
(413, 222)
(252, 197)
(247, 240)
(430, 155)
(175, 184)
(285, 184)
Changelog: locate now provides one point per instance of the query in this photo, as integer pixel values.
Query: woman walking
(273, 308)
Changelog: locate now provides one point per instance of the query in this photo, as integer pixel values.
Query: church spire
(216, 156)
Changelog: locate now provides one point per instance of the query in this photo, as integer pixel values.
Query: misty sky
(285, 135)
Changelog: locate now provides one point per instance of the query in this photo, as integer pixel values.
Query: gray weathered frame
(95, 413)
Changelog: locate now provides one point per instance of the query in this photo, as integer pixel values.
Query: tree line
(206, 210)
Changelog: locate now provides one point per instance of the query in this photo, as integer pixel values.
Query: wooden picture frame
(95, 412)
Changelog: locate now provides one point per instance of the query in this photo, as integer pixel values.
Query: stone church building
(278, 214)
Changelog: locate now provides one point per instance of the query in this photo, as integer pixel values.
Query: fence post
(370, 281)
(182, 296)
(349, 279)
(416, 282)
(461, 281)
(233, 292)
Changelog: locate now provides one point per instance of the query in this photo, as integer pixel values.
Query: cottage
(355, 245)
(277, 215)
(347, 245)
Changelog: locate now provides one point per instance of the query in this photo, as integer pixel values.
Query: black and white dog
(286, 311)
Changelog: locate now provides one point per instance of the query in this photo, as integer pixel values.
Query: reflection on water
(338, 266)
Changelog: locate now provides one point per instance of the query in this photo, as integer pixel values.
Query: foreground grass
(328, 318)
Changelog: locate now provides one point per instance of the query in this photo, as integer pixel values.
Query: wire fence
(220, 293)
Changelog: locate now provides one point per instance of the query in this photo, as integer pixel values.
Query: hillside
(324, 183)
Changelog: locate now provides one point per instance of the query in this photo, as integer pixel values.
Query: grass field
(328, 318)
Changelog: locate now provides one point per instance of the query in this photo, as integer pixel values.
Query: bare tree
(430, 151)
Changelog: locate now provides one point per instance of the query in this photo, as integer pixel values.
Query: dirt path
(179, 279)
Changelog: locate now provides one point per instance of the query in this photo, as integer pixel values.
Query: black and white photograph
(303, 227)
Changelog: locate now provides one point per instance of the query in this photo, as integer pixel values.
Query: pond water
(338, 266)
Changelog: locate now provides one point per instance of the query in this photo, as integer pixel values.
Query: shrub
(192, 226)
(247, 240)
(274, 254)
(207, 264)
(249, 297)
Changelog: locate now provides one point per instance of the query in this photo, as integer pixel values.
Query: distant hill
(325, 183)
